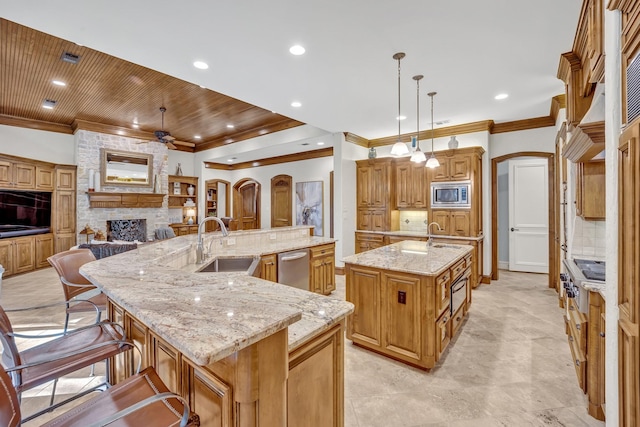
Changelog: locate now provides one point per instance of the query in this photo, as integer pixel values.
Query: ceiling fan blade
(184, 143)
(168, 137)
(171, 146)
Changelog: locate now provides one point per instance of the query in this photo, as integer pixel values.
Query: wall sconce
(190, 214)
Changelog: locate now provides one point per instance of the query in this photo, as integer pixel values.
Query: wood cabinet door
(139, 334)
(443, 292)
(402, 323)
(64, 241)
(404, 185)
(24, 176)
(329, 284)
(24, 255)
(316, 275)
(380, 185)
(442, 218)
(364, 290)
(364, 219)
(65, 212)
(628, 374)
(592, 187)
(460, 168)
(166, 361)
(363, 186)
(419, 186)
(441, 173)
(44, 178)
(378, 220)
(281, 200)
(269, 268)
(44, 249)
(6, 174)
(6, 256)
(207, 395)
(459, 223)
(443, 335)
(66, 179)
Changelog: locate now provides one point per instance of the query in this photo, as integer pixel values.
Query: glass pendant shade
(418, 156)
(399, 148)
(432, 162)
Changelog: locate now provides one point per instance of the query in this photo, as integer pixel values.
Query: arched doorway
(281, 201)
(553, 212)
(218, 201)
(246, 204)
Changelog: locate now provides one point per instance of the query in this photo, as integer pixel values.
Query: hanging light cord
(432, 94)
(399, 58)
(418, 112)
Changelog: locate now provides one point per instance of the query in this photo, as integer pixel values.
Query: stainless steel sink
(221, 264)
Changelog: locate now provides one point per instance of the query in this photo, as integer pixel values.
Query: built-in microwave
(451, 194)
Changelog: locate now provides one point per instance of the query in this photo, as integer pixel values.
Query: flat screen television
(24, 213)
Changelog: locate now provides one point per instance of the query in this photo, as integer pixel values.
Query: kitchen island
(242, 350)
(410, 299)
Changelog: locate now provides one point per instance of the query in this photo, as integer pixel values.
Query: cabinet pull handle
(570, 338)
(602, 334)
(577, 362)
(578, 327)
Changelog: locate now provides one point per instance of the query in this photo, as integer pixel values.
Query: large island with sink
(242, 350)
(410, 299)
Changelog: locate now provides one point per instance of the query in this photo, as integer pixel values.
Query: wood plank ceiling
(107, 94)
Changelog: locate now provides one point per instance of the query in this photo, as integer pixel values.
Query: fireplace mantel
(125, 200)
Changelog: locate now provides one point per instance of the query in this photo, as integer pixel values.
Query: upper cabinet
(590, 190)
(412, 186)
(454, 166)
(374, 183)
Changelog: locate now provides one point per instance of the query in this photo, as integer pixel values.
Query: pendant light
(418, 156)
(399, 148)
(432, 162)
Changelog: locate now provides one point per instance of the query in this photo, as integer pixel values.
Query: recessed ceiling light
(231, 159)
(228, 141)
(401, 117)
(501, 96)
(305, 143)
(320, 143)
(297, 50)
(201, 65)
(59, 83)
(273, 112)
(296, 104)
(230, 126)
(197, 136)
(203, 87)
(135, 126)
(263, 131)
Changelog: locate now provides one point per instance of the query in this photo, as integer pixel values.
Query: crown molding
(526, 124)
(307, 155)
(34, 124)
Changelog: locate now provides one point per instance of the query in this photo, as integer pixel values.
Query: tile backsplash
(413, 221)
(589, 238)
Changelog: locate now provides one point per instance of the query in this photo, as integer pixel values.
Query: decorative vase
(179, 170)
(190, 190)
(372, 153)
(453, 142)
(96, 182)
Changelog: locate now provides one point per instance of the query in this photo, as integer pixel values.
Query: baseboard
(503, 265)
(486, 280)
(340, 271)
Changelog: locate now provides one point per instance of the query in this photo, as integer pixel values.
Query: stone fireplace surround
(88, 145)
(128, 230)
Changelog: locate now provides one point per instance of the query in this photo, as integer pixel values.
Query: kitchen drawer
(467, 261)
(456, 320)
(320, 251)
(370, 237)
(579, 362)
(457, 269)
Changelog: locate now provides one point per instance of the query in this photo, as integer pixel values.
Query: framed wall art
(309, 205)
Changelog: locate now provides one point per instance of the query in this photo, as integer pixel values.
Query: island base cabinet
(364, 290)
(315, 386)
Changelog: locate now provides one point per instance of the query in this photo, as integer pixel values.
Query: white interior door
(528, 216)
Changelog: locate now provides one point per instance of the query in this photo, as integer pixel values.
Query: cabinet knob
(578, 327)
(570, 338)
(577, 362)
(602, 334)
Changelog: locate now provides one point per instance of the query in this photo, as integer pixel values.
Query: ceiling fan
(162, 135)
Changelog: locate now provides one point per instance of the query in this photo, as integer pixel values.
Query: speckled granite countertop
(411, 256)
(208, 316)
(422, 234)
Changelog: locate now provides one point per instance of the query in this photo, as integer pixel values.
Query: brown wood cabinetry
(454, 166)
(18, 255)
(452, 222)
(595, 356)
(17, 175)
(577, 336)
(179, 195)
(368, 241)
(63, 218)
(322, 269)
(44, 249)
(374, 194)
(44, 178)
(590, 190)
(412, 185)
(269, 267)
(401, 315)
(221, 392)
(628, 277)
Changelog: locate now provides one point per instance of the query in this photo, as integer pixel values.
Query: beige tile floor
(509, 366)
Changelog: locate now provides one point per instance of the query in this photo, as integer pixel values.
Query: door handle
(515, 229)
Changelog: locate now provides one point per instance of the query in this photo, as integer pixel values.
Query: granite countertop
(208, 316)
(411, 257)
(422, 234)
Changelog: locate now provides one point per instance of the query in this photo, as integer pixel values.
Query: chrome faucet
(200, 247)
(430, 239)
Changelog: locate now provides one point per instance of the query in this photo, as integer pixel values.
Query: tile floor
(509, 366)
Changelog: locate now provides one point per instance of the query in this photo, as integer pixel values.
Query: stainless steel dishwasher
(293, 268)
